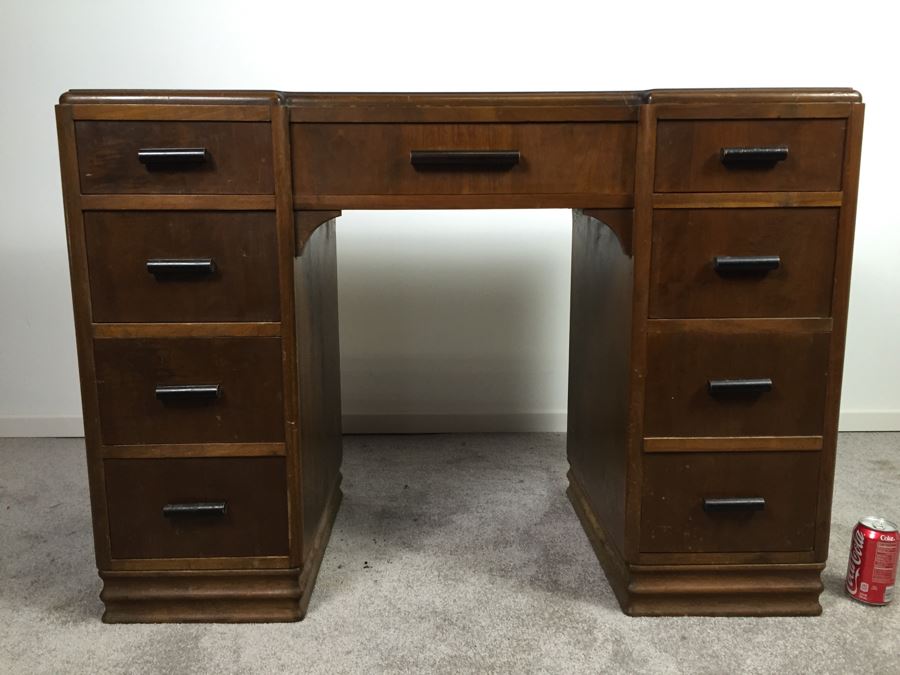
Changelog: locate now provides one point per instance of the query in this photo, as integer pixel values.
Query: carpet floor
(451, 553)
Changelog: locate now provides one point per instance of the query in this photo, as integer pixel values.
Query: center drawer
(197, 507)
(729, 502)
(189, 390)
(387, 159)
(174, 266)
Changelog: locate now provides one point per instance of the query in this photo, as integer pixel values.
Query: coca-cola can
(873, 561)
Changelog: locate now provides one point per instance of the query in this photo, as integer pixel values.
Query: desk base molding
(700, 590)
(220, 596)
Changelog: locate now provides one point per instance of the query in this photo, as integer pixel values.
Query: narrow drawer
(159, 266)
(385, 159)
(686, 369)
(742, 262)
(231, 390)
(729, 502)
(689, 155)
(197, 157)
(197, 507)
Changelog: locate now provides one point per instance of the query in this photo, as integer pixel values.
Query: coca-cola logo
(887, 537)
(855, 560)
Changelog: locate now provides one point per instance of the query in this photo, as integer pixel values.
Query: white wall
(468, 321)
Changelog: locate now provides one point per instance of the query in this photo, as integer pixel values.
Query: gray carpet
(451, 553)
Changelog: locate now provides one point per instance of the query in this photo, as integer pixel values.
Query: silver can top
(878, 524)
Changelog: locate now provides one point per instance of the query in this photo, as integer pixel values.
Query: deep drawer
(729, 502)
(379, 159)
(685, 369)
(742, 262)
(173, 266)
(197, 507)
(241, 399)
(237, 157)
(689, 155)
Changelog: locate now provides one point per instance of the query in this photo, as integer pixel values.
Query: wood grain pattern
(737, 200)
(253, 488)
(684, 282)
(240, 157)
(675, 485)
(713, 588)
(374, 159)
(318, 358)
(688, 160)
(242, 246)
(248, 370)
(681, 363)
(731, 443)
(840, 308)
(649, 323)
(599, 354)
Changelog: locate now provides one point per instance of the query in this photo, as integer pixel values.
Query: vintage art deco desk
(712, 239)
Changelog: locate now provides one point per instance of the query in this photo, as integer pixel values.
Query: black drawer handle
(464, 159)
(195, 509)
(734, 504)
(750, 386)
(188, 392)
(172, 158)
(165, 269)
(754, 157)
(746, 264)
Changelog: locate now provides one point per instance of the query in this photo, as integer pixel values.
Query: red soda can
(873, 561)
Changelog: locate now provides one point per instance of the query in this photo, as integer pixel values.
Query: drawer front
(689, 155)
(197, 507)
(376, 159)
(729, 502)
(743, 262)
(681, 365)
(246, 408)
(238, 157)
(182, 266)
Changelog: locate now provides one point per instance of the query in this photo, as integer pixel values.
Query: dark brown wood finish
(248, 370)
(652, 321)
(688, 155)
(252, 490)
(318, 357)
(599, 352)
(342, 161)
(241, 247)
(681, 362)
(674, 520)
(239, 157)
(685, 281)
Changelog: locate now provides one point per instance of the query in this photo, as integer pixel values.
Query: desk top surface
(313, 99)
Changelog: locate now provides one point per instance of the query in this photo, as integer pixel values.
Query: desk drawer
(688, 371)
(173, 266)
(198, 507)
(240, 399)
(689, 155)
(729, 502)
(742, 262)
(237, 157)
(378, 159)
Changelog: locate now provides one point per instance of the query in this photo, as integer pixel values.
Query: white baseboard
(71, 425)
(869, 420)
(63, 426)
(443, 424)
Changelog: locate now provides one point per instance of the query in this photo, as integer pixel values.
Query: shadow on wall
(454, 319)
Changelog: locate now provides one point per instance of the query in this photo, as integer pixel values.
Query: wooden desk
(712, 240)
